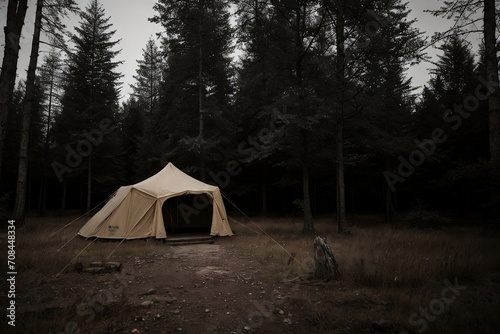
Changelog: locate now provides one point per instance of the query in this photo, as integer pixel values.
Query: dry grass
(46, 252)
(385, 272)
(380, 256)
(46, 249)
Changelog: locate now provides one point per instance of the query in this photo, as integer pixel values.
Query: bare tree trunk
(308, 218)
(341, 212)
(264, 192)
(28, 110)
(63, 198)
(89, 185)
(200, 93)
(389, 207)
(40, 197)
(16, 12)
(200, 79)
(490, 46)
(492, 73)
(43, 199)
(340, 71)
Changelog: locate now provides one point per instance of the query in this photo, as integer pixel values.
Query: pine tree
(257, 87)
(197, 89)
(146, 115)
(463, 13)
(148, 78)
(391, 46)
(134, 139)
(50, 76)
(277, 81)
(466, 130)
(90, 101)
(51, 20)
(453, 79)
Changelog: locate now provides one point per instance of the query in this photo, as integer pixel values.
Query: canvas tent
(135, 211)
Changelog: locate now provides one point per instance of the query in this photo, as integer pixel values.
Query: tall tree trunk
(89, 185)
(340, 72)
(490, 47)
(63, 198)
(492, 73)
(28, 110)
(264, 192)
(40, 197)
(200, 82)
(308, 218)
(46, 148)
(16, 12)
(200, 92)
(341, 212)
(389, 207)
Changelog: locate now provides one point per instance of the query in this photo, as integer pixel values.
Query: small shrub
(421, 217)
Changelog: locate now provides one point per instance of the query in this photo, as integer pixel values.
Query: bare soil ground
(203, 288)
(392, 281)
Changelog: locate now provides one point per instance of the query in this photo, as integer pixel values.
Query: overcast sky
(129, 18)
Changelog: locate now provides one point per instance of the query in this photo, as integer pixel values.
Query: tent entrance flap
(187, 213)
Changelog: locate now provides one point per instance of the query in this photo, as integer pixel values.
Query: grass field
(386, 273)
(403, 270)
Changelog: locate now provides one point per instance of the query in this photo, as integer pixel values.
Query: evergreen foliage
(196, 91)
(90, 104)
(295, 106)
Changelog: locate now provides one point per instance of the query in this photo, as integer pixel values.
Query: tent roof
(171, 181)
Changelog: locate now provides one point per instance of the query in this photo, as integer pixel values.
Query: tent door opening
(187, 214)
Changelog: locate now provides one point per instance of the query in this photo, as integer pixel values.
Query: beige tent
(136, 211)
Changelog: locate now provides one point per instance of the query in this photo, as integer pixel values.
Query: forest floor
(393, 281)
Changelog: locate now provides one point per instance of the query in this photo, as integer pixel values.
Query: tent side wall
(132, 216)
(136, 211)
(97, 222)
(220, 224)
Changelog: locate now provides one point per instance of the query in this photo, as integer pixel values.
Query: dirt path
(206, 288)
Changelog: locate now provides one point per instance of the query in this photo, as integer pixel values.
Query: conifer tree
(390, 46)
(463, 12)
(257, 87)
(51, 20)
(148, 78)
(134, 140)
(50, 78)
(278, 74)
(90, 102)
(146, 115)
(197, 89)
(465, 127)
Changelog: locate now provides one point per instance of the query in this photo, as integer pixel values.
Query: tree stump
(325, 266)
